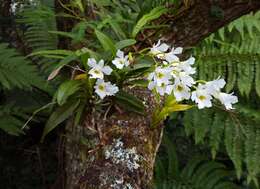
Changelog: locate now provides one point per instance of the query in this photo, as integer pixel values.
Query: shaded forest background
(209, 149)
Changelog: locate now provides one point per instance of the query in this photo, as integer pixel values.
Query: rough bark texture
(199, 18)
(87, 166)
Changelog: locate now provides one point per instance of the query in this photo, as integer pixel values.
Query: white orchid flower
(227, 99)
(151, 85)
(98, 69)
(185, 79)
(186, 66)
(181, 91)
(104, 89)
(214, 86)
(172, 55)
(159, 49)
(201, 97)
(164, 88)
(160, 75)
(120, 61)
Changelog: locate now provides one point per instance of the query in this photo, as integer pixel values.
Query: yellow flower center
(97, 72)
(101, 87)
(202, 97)
(179, 88)
(160, 75)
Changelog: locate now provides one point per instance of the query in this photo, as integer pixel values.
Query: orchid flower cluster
(98, 70)
(171, 76)
(174, 77)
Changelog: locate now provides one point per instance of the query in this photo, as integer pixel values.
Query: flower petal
(120, 54)
(92, 62)
(107, 70)
(101, 63)
(178, 50)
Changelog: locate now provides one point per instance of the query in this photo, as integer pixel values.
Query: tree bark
(88, 162)
(198, 19)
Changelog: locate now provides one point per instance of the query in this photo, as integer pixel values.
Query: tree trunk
(95, 156)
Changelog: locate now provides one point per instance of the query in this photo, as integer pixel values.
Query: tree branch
(204, 17)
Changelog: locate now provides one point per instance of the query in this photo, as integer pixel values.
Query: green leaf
(59, 115)
(80, 5)
(125, 43)
(173, 170)
(138, 83)
(257, 77)
(106, 42)
(160, 115)
(52, 52)
(117, 29)
(179, 107)
(11, 125)
(64, 34)
(154, 14)
(101, 3)
(60, 65)
(79, 112)
(67, 89)
(130, 102)
(142, 66)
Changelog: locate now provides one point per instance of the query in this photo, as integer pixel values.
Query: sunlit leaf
(154, 14)
(67, 89)
(125, 43)
(106, 42)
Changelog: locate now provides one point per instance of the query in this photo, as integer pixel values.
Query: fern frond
(16, 71)
(12, 118)
(234, 54)
(257, 76)
(198, 173)
(202, 121)
(39, 20)
(11, 125)
(216, 133)
(188, 122)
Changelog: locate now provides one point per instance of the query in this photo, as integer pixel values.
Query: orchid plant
(160, 69)
(170, 77)
(104, 73)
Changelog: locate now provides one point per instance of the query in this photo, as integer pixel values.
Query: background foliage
(232, 138)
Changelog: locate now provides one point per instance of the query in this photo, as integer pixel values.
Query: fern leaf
(233, 145)
(16, 71)
(202, 122)
(203, 171)
(188, 122)
(257, 76)
(245, 79)
(231, 77)
(216, 132)
(39, 20)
